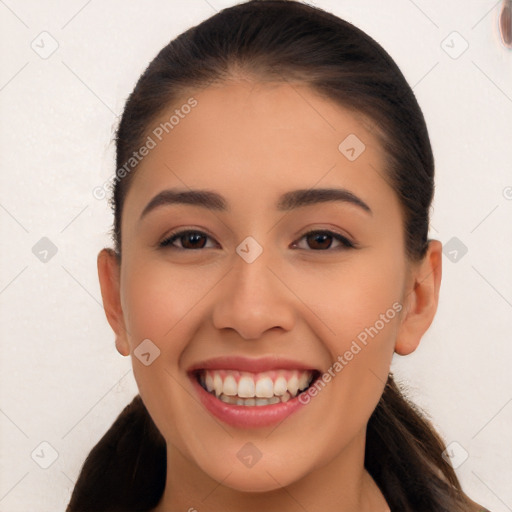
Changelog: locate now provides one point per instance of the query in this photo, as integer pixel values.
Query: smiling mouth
(255, 389)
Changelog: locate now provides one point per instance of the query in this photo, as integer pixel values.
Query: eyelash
(347, 244)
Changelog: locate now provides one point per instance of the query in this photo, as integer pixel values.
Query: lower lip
(246, 416)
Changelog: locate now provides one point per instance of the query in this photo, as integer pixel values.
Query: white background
(62, 380)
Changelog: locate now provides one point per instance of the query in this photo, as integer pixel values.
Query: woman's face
(249, 283)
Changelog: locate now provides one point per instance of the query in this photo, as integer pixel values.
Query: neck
(343, 484)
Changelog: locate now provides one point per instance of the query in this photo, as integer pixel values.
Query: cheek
(158, 297)
(356, 307)
(371, 317)
(161, 303)
(351, 295)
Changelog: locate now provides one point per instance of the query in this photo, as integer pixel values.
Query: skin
(251, 142)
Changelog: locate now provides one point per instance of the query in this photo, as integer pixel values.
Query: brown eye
(321, 240)
(190, 240)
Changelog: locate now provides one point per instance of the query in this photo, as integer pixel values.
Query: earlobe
(122, 345)
(109, 277)
(421, 299)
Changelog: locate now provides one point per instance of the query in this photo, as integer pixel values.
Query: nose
(254, 298)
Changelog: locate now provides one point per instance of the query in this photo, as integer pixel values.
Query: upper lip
(261, 364)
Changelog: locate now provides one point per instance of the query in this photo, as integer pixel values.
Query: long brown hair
(284, 40)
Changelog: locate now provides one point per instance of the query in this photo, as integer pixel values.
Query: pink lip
(243, 416)
(262, 364)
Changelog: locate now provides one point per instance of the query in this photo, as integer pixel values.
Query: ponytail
(126, 470)
(404, 456)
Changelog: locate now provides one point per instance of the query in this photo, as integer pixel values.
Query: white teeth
(217, 384)
(262, 401)
(280, 386)
(293, 385)
(209, 382)
(255, 389)
(227, 399)
(303, 381)
(230, 387)
(264, 388)
(285, 397)
(249, 401)
(246, 387)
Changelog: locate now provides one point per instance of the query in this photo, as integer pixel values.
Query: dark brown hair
(286, 41)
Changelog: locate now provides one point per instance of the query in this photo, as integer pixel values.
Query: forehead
(254, 141)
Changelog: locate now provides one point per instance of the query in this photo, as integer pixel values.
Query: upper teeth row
(263, 385)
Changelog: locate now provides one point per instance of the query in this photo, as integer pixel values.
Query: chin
(260, 478)
(259, 482)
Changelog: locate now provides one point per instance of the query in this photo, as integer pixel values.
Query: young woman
(271, 254)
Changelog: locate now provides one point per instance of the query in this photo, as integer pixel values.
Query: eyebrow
(288, 201)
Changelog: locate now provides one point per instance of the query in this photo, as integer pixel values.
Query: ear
(109, 270)
(421, 298)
